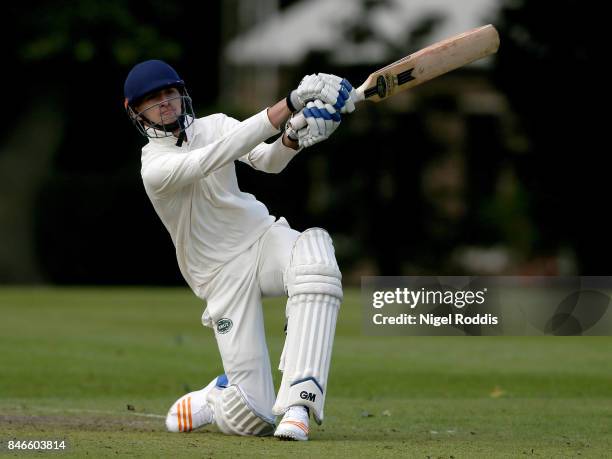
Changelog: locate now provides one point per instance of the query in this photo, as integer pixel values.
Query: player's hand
(330, 89)
(322, 120)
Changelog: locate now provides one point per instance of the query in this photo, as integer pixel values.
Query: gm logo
(307, 396)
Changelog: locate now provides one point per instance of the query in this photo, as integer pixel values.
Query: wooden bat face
(430, 62)
(422, 66)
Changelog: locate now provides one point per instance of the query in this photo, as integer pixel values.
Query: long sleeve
(265, 157)
(167, 171)
(270, 157)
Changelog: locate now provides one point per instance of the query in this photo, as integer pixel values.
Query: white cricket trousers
(235, 295)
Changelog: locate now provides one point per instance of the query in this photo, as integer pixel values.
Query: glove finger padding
(315, 87)
(330, 89)
(321, 119)
(346, 94)
(315, 113)
(330, 77)
(351, 96)
(328, 94)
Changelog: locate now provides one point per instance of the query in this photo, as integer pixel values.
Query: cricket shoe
(294, 425)
(193, 410)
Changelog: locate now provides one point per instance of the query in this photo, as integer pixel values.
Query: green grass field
(72, 360)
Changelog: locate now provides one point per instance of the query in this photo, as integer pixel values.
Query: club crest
(224, 325)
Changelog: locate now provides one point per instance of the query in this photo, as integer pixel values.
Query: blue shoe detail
(222, 381)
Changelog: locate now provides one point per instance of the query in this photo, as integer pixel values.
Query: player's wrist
(289, 142)
(290, 136)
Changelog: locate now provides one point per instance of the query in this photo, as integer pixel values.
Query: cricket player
(232, 252)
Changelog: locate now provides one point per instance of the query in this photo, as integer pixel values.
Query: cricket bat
(424, 65)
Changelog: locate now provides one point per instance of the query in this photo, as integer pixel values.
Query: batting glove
(322, 120)
(347, 95)
(316, 86)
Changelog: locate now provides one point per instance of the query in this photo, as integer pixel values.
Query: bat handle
(298, 121)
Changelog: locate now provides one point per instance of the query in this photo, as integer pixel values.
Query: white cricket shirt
(195, 192)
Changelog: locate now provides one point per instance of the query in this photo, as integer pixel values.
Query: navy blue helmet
(148, 77)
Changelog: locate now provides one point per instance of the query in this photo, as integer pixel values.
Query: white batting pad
(234, 415)
(315, 292)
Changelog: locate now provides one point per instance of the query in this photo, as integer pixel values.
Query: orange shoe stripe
(184, 416)
(189, 412)
(301, 425)
(178, 415)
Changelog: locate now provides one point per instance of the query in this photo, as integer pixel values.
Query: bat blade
(424, 65)
(430, 62)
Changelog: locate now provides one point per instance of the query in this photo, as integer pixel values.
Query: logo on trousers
(224, 325)
(307, 396)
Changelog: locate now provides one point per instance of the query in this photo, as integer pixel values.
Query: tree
(546, 65)
(70, 166)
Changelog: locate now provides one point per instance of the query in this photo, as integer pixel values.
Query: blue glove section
(343, 94)
(341, 100)
(318, 113)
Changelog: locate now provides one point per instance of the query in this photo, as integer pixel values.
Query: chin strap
(171, 127)
(182, 136)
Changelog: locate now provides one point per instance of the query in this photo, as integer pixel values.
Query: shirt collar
(166, 140)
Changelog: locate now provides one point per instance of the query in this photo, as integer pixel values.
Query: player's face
(161, 107)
